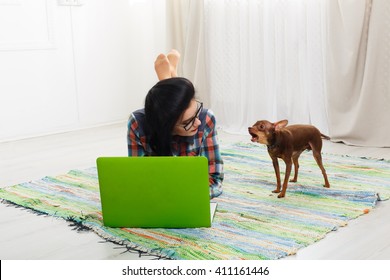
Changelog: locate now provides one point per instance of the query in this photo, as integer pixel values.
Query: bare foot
(162, 67)
(173, 57)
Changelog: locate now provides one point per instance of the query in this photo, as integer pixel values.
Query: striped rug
(250, 222)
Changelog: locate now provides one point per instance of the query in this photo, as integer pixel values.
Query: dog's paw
(293, 180)
(276, 191)
(280, 195)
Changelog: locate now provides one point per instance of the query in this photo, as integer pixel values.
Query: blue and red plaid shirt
(203, 143)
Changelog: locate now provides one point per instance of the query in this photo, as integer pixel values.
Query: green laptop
(155, 192)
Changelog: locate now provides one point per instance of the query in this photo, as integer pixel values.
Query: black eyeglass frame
(191, 122)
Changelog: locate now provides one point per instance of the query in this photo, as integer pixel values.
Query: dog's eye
(261, 127)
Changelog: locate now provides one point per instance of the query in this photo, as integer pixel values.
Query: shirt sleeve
(211, 150)
(134, 138)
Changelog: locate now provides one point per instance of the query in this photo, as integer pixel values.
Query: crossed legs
(166, 65)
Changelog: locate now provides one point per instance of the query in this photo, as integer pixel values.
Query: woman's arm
(210, 149)
(135, 144)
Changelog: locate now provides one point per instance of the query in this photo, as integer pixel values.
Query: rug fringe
(79, 226)
(8, 203)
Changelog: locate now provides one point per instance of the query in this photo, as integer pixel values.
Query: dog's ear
(280, 124)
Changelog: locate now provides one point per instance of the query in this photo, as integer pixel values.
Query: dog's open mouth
(255, 138)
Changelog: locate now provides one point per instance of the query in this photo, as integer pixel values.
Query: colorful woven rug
(250, 222)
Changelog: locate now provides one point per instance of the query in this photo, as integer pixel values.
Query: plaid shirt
(203, 143)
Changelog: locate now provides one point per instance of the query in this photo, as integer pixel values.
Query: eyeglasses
(191, 122)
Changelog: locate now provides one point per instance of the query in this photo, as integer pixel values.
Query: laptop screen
(169, 192)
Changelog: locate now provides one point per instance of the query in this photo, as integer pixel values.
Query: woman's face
(189, 122)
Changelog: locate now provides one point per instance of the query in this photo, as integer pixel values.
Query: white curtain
(358, 71)
(266, 61)
(320, 62)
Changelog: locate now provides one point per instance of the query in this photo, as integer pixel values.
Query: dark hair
(164, 104)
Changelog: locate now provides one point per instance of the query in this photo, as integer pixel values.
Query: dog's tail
(325, 137)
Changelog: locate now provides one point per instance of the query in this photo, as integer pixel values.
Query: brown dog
(287, 143)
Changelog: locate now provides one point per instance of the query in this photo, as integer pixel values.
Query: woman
(174, 123)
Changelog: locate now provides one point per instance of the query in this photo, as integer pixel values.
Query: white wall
(70, 67)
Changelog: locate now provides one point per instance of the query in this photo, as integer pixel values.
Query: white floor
(24, 235)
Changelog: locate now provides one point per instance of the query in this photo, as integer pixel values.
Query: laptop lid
(166, 192)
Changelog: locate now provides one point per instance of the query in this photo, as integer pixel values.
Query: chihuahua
(287, 143)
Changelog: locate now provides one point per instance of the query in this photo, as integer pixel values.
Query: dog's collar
(270, 147)
(274, 142)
